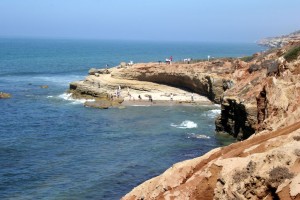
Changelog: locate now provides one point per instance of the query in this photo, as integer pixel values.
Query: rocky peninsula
(280, 41)
(259, 97)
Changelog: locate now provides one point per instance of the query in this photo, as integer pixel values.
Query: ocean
(51, 147)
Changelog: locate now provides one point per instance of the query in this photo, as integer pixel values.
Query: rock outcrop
(44, 86)
(209, 79)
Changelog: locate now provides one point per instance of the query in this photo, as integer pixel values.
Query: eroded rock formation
(209, 79)
(263, 100)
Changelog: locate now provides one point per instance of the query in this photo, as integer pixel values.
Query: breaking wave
(213, 113)
(198, 136)
(185, 125)
(68, 97)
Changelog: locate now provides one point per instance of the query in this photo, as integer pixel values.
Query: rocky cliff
(263, 99)
(265, 95)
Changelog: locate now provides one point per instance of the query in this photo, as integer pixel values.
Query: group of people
(117, 93)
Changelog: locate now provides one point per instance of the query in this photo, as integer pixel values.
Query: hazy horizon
(191, 20)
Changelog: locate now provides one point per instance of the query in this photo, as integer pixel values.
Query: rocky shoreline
(259, 100)
(277, 42)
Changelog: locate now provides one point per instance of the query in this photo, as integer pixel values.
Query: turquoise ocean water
(54, 148)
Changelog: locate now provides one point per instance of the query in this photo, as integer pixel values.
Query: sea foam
(213, 113)
(198, 136)
(68, 97)
(185, 125)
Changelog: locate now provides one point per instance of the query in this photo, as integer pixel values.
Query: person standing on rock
(171, 59)
(192, 97)
(117, 93)
(128, 93)
(150, 98)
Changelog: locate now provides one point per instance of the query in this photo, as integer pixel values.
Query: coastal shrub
(278, 175)
(197, 60)
(240, 176)
(251, 167)
(292, 54)
(247, 58)
(253, 68)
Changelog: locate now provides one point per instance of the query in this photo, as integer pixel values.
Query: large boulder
(44, 86)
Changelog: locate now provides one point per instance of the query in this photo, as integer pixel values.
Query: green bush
(292, 54)
(247, 58)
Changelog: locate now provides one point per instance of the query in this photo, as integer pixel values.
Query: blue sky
(161, 20)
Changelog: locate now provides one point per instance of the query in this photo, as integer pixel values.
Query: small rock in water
(44, 86)
(4, 95)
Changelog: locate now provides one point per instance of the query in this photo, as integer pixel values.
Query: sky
(154, 20)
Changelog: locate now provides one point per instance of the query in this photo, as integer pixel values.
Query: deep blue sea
(53, 148)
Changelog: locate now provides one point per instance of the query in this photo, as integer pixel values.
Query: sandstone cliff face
(265, 95)
(209, 79)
